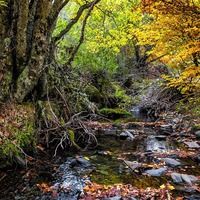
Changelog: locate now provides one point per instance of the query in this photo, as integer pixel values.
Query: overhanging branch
(74, 20)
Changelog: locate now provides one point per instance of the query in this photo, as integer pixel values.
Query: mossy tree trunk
(26, 42)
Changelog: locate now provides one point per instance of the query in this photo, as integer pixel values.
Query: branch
(74, 20)
(81, 40)
(157, 58)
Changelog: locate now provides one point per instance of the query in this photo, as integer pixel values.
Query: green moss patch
(115, 113)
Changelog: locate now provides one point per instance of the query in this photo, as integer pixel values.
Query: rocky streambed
(141, 154)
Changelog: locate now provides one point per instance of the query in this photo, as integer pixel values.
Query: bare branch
(74, 20)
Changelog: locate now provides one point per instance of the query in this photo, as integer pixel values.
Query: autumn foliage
(173, 31)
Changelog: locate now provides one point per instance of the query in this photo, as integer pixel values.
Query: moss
(18, 132)
(115, 113)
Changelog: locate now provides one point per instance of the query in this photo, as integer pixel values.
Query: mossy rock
(115, 113)
(17, 132)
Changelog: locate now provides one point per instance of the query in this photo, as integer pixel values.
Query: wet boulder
(171, 162)
(156, 172)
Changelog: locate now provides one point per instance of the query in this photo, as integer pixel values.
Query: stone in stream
(171, 162)
(189, 178)
(132, 165)
(156, 172)
(126, 135)
(183, 178)
(192, 145)
(176, 177)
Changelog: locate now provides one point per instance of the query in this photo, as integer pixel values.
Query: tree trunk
(26, 42)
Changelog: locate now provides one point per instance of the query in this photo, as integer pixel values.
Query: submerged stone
(156, 172)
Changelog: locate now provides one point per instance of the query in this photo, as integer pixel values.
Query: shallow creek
(117, 159)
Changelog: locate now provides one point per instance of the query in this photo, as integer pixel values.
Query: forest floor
(133, 160)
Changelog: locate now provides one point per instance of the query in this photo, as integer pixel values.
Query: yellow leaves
(172, 31)
(167, 186)
(187, 82)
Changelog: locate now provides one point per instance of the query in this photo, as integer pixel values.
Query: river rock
(132, 165)
(189, 179)
(156, 172)
(193, 145)
(183, 178)
(126, 135)
(171, 162)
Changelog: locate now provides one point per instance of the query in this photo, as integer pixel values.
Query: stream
(142, 156)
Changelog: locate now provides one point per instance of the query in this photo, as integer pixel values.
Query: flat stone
(192, 144)
(183, 178)
(176, 177)
(171, 162)
(189, 179)
(156, 172)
